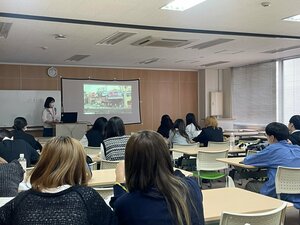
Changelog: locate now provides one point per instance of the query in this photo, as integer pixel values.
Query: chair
(273, 217)
(92, 150)
(93, 165)
(105, 164)
(105, 192)
(287, 181)
(251, 152)
(229, 182)
(208, 166)
(218, 145)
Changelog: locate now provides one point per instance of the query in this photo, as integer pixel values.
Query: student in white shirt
(192, 127)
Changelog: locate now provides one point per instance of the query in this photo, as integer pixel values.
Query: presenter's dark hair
(100, 125)
(295, 120)
(48, 101)
(19, 123)
(190, 118)
(4, 133)
(278, 130)
(115, 127)
(148, 164)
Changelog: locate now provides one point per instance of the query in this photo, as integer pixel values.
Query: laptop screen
(69, 117)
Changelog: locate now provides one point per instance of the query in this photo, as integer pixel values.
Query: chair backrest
(192, 145)
(105, 164)
(287, 180)
(105, 192)
(229, 182)
(218, 145)
(273, 217)
(206, 160)
(251, 152)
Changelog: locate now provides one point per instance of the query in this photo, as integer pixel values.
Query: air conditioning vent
(161, 42)
(77, 58)
(215, 63)
(282, 49)
(4, 29)
(211, 43)
(115, 38)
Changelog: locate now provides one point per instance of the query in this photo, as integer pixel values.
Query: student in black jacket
(211, 132)
(11, 149)
(20, 126)
(294, 128)
(166, 125)
(95, 136)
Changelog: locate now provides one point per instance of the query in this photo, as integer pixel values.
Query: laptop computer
(69, 117)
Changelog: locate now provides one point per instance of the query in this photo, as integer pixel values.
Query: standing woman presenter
(49, 117)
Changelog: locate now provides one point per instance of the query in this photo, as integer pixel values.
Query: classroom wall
(162, 91)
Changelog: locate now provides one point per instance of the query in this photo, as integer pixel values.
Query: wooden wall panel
(162, 92)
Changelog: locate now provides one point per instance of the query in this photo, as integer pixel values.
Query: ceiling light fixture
(181, 5)
(295, 18)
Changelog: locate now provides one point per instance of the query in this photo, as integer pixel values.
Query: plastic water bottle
(231, 142)
(22, 161)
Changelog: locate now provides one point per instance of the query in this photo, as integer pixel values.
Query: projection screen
(96, 98)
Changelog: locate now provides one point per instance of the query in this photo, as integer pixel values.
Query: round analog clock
(52, 71)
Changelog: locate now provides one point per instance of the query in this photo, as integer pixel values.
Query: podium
(74, 130)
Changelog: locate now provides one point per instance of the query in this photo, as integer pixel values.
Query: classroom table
(242, 133)
(236, 162)
(107, 177)
(236, 200)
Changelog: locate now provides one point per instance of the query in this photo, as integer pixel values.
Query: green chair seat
(209, 175)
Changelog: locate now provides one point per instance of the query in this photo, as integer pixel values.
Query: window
(290, 88)
(254, 94)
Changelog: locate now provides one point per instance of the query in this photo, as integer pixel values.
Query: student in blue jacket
(156, 195)
(278, 153)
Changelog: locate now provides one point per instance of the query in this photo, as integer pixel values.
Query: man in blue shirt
(278, 153)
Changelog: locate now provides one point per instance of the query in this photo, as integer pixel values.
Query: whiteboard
(27, 104)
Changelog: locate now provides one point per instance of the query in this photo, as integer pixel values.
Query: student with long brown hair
(155, 194)
(59, 194)
(178, 134)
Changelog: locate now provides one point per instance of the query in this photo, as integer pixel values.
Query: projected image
(107, 99)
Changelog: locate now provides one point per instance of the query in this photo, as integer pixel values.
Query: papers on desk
(4, 200)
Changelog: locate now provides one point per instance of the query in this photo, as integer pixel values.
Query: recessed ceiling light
(295, 18)
(60, 37)
(181, 5)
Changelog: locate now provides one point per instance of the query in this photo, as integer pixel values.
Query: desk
(236, 162)
(237, 200)
(192, 151)
(108, 177)
(242, 134)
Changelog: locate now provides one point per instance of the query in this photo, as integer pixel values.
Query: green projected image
(107, 99)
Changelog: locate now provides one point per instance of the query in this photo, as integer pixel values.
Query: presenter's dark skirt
(48, 132)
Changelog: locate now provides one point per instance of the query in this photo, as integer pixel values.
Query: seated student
(116, 140)
(211, 132)
(278, 153)
(20, 126)
(294, 128)
(166, 125)
(11, 149)
(11, 175)
(156, 195)
(192, 127)
(59, 194)
(94, 137)
(178, 135)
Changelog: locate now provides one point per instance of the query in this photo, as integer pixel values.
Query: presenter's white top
(49, 115)
(192, 131)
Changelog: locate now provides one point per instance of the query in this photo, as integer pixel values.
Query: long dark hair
(166, 121)
(115, 127)
(179, 126)
(148, 164)
(100, 125)
(190, 118)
